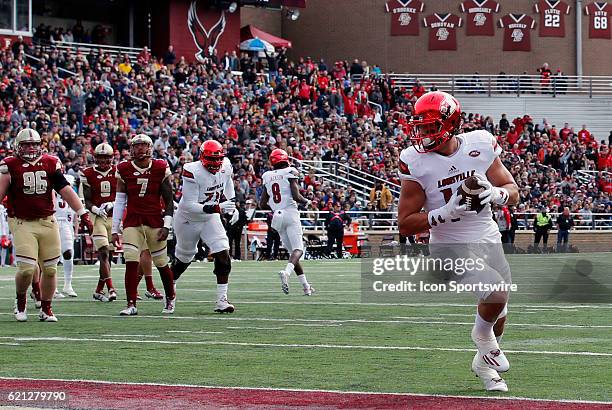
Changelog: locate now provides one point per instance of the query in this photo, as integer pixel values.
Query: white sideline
(289, 389)
(415, 320)
(290, 345)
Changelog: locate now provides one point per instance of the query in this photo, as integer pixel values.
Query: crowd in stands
(315, 110)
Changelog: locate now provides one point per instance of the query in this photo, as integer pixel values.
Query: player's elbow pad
(120, 203)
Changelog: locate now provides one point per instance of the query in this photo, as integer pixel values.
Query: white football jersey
(278, 185)
(200, 188)
(4, 229)
(440, 176)
(63, 212)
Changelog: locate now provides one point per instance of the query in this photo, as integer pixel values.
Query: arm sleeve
(228, 191)
(58, 180)
(120, 204)
(189, 200)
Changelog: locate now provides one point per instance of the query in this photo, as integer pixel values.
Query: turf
(327, 341)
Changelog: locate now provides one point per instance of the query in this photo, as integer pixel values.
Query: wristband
(95, 210)
(168, 222)
(81, 211)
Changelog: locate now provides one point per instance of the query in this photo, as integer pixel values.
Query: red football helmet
(211, 156)
(279, 156)
(437, 117)
(5, 242)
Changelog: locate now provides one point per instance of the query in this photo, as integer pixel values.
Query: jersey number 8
(276, 193)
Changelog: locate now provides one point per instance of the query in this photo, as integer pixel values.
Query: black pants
(337, 237)
(235, 239)
(541, 233)
(505, 237)
(272, 244)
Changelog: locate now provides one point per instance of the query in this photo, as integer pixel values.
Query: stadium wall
(349, 29)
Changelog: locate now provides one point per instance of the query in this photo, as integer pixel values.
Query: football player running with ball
(431, 170)
(142, 185)
(28, 180)
(99, 190)
(198, 216)
(282, 194)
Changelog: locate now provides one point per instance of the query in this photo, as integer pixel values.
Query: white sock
(4, 252)
(221, 291)
(68, 268)
(303, 281)
(290, 269)
(482, 332)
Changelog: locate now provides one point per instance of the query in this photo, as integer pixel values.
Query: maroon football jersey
(442, 30)
(517, 31)
(479, 20)
(404, 16)
(552, 17)
(30, 194)
(599, 16)
(143, 185)
(102, 185)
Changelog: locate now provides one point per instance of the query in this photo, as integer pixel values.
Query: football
(469, 191)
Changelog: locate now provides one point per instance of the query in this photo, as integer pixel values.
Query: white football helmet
(141, 147)
(28, 144)
(103, 155)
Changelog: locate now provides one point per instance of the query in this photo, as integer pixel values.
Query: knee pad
(160, 258)
(26, 270)
(131, 253)
(183, 256)
(223, 264)
(49, 271)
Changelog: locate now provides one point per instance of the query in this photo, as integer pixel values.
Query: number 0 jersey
(102, 185)
(200, 187)
(30, 194)
(143, 186)
(440, 176)
(278, 185)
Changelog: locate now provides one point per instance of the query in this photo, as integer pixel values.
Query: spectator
(542, 224)
(504, 125)
(504, 223)
(545, 74)
(272, 240)
(381, 196)
(335, 222)
(170, 58)
(565, 223)
(235, 231)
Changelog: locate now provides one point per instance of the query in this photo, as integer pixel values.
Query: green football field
(328, 341)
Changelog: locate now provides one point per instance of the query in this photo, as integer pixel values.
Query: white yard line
(253, 328)
(399, 320)
(293, 345)
(200, 332)
(285, 389)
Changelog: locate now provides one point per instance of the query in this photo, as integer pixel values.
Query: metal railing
(355, 178)
(114, 51)
(509, 84)
(387, 220)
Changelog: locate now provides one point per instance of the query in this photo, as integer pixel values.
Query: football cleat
(37, 302)
(169, 308)
(68, 291)
(309, 290)
(223, 306)
(112, 295)
(44, 317)
(284, 278)
(21, 316)
(100, 296)
(154, 294)
(489, 377)
(58, 295)
(129, 311)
